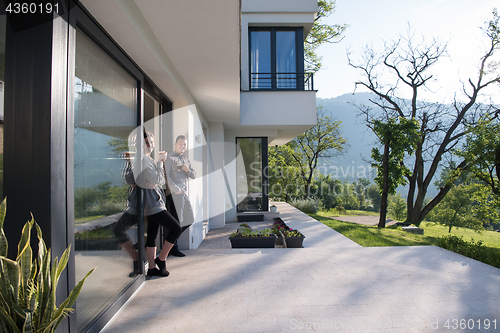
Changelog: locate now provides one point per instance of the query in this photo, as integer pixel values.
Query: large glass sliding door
(105, 114)
(253, 184)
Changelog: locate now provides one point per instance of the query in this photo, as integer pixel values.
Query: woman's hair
(148, 135)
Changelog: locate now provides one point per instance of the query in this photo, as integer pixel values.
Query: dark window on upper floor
(276, 59)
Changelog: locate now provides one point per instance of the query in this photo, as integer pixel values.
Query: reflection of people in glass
(149, 176)
(151, 172)
(178, 170)
(129, 217)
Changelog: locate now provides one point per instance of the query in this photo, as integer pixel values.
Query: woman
(149, 176)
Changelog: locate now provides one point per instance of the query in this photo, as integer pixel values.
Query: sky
(457, 22)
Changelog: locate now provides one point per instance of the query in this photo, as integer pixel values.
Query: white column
(216, 182)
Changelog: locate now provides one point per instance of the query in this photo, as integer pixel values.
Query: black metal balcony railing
(281, 81)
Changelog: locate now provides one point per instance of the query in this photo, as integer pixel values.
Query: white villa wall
(278, 108)
(216, 187)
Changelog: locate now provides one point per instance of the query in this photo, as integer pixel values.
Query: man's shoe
(176, 253)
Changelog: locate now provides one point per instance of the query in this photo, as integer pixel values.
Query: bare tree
(405, 63)
(321, 141)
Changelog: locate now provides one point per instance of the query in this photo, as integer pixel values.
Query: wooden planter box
(252, 242)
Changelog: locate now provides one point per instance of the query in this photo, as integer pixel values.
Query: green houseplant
(245, 237)
(28, 285)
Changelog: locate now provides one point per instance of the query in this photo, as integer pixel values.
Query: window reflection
(251, 197)
(286, 68)
(273, 59)
(105, 115)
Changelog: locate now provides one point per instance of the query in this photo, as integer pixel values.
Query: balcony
(281, 81)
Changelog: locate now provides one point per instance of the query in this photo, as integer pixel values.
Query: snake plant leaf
(4, 245)
(28, 328)
(11, 272)
(3, 239)
(68, 303)
(24, 260)
(8, 319)
(44, 285)
(62, 263)
(3, 212)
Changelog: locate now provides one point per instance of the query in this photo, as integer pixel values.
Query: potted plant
(274, 208)
(277, 227)
(245, 237)
(28, 284)
(292, 238)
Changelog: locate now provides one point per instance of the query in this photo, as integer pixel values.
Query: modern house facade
(79, 78)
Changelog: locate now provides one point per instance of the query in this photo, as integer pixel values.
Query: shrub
(340, 210)
(108, 208)
(474, 250)
(308, 205)
(397, 207)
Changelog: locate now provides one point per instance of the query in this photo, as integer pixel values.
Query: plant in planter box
(277, 227)
(248, 238)
(293, 238)
(28, 285)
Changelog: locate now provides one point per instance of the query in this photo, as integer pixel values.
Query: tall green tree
(321, 33)
(406, 64)
(482, 153)
(321, 141)
(284, 174)
(373, 193)
(467, 205)
(397, 137)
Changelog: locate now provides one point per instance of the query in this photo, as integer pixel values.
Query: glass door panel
(105, 114)
(260, 60)
(286, 67)
(251, 194)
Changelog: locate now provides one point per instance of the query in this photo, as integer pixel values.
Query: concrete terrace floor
(330, 285)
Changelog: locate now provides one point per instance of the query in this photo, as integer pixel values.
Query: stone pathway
(330, 285)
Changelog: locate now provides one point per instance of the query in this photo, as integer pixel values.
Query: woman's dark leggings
(166, 220)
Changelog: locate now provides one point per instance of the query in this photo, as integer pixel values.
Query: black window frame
(299, 57)
(264, 171)
(82, 19)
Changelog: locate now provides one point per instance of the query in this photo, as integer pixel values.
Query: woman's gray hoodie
(146, 171)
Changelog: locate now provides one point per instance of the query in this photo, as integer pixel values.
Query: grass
(334, 212)
(80, 220)
(369, 236)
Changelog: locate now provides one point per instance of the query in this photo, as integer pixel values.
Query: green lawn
(393, 236)
(81, 220)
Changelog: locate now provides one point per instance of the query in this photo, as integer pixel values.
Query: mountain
(355, 163)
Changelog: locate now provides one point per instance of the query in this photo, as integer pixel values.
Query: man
(178, 170)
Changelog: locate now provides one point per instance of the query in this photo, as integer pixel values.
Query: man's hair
(180, 137)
